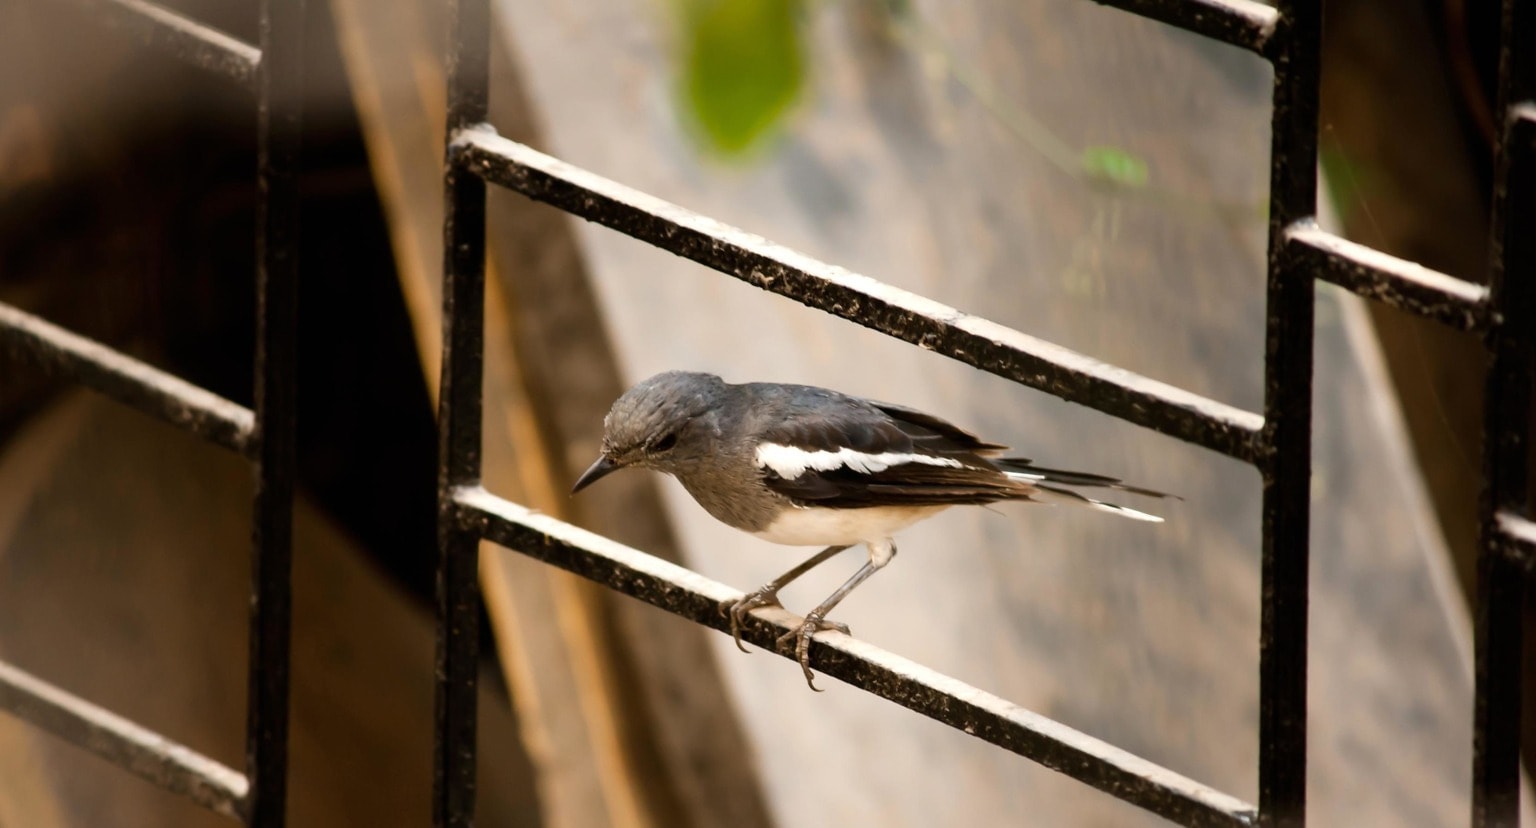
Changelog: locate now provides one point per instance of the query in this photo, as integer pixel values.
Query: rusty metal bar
(892, 311)
(125, 379)
(181, 37)
(1399, 283)
(280, 99)
(170, 765)
(944, 699)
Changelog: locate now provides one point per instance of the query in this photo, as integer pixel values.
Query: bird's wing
(846, 452)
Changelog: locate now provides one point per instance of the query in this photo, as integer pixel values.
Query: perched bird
(807, 466)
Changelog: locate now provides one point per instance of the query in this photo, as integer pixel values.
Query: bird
(801, 465)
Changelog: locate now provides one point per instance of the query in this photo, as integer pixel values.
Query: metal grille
(273, 72)
(1277, 442)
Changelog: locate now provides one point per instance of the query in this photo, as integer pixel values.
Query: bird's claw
(738, 610)
(802, 634)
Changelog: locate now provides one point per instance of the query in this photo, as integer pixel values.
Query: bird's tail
(1026, 472)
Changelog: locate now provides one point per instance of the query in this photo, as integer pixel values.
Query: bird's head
(659, 424)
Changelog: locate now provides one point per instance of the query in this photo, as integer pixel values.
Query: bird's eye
(667, 441)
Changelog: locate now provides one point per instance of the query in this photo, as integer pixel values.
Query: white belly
(838, 527)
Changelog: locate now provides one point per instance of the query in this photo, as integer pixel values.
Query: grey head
(667, 423)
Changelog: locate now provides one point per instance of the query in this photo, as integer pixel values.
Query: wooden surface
(1144, 636)
(124, 570)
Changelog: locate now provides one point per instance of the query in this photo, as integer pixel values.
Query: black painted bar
(181, 37)
(1286, 463)
(1402, 284)
(280, 98)
(125, 379)
(944, 699)
(1241, 23)
(170, 765)
(892, 311)
(459, 416)
(1498, 619)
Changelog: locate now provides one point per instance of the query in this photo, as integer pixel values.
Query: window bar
(1243, 23)
(278, 121)
(459, 401)
(127, 380)
(897, 313)
(1507, 415)
(1409, 286)
(170, 765)
(184, 38)
(1286, 463)
(942, 698)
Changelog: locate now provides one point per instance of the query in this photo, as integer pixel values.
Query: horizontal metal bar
(126, 379)
(1396, 282)
(173, 766)
(892, 311)
(891, 677)
(182, 37)
(1241, 23)
(1519, 535)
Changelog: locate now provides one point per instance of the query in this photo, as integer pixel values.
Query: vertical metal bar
(278, 120)
(1507, 416)
(1287, 460)
(459, 411)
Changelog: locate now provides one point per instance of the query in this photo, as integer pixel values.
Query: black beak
(602, 468)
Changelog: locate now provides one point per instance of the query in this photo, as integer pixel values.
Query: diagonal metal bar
(182, 37)
(170, 765)
(892, 311)
(1518, 536)
(947, 700)
(1241, 23)
(1392, 281)
(126, 379)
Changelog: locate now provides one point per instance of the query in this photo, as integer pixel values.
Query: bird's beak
(602, 468)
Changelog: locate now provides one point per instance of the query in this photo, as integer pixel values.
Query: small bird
(807, 466)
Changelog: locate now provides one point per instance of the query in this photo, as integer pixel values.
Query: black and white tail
(1026, 472)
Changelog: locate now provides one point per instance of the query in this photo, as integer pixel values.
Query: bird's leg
(815, 620)
(767, 595)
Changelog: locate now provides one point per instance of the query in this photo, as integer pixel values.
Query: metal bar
(168, 764)
(280, 90)
(898, 313)
(1518, 537)
(1387, 279)
(696, 598)
(459, 420)
(127, 380)
(1240, 23)
(1286, 464)
(1498, 622)
(181, 37)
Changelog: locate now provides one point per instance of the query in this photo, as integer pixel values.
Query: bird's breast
(820, 526)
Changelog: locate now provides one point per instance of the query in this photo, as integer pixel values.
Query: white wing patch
(789, 462)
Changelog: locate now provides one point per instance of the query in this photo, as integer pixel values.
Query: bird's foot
(766, 596)
(802, 634)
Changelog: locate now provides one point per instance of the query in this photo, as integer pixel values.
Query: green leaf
(1114, 165)
(742, 67)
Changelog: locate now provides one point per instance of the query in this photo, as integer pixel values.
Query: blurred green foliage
(743, 66)
(1114, 165)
